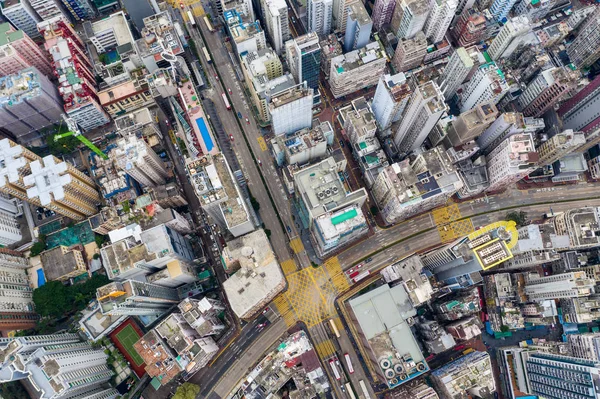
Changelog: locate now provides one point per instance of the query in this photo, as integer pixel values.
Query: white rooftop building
(139, 161)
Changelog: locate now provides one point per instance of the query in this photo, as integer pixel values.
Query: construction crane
(75, 132)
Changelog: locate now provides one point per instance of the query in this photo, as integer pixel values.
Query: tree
(52, 299)
(65, 145)
(520, 218)
(187, 391)
(37, 248)
(504, 328)
(268, 233)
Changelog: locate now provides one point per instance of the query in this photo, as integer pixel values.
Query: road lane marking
(262, 143)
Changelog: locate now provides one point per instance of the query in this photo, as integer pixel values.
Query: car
(369, 259)
(216, 76)
(259, 162)
(341, 143)
(181, 5)
(239, 114)
(229, 90)
(40, 216)
(359, 265)
(247, 121)
(289, 230)
(266, 310)
(231, 137)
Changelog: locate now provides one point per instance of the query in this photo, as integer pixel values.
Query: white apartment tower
(319, 16)
(291, 109)
(47, 9)
(565, 285)
(22, 16)
(456, 71)
(509, 37)
(390, 99)
(340, 15)
(10, 209)
(440, 17)
(585, 49)
(425, 108)
(135, 157)
(585, 346)
(276, 19)
(512, 160)
(488, 83)
(16, 303)
(410, 17)
(57, 365)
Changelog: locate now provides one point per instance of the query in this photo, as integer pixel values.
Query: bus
(361, 276)
(349, 363)
(364, 389)
(226, 101)
(350, 391)
(334, 328)
(191, 18)
(336, 373)
(208, 24)
(206, 55)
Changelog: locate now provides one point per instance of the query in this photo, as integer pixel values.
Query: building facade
(356, 70)
(18, 51)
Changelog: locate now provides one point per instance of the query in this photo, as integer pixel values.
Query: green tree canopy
(520, 218)
(187, 391)
(52, 299)
(65, 145)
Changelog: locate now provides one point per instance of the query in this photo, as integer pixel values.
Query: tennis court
(127, 337)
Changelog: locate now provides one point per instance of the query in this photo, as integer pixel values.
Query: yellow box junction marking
(296, 245)
(289, 266)
(325, 349)
(285, 310)
(262, 144)
(337, 275)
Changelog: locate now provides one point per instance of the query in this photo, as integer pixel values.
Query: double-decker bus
(334, 328)
(364, 389)
(336, 373)
(349, 363)
(227, 105)
(208, 24)
(206, 55)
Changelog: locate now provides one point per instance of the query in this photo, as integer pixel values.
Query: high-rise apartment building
(291, 109)
(456, 71)
(585, 346)
(18, 51)
(74, 69)
(409, 18)
(304, 59)
(16, 303)
(340, 15)
(136, 298)
(511, 35)
(390, 99)
(136, 158)
(425, 108)
(546, 90)
(47, 9)
(57, 366)
(488, 83)
(565, 285)
(507, 124)
(356, 70)
(580, 113)
(319, 14)
(579, 224)
(21, 15)
(410, 53)
(500, 8)
(276, 19)
(470, 375)
(358, 26)
(80, 9)
(469, 125)
(383, 10)
(534, 10)
(559, 145)
(202, 315)
(46, 182)
(440, 17)
(470, 27)
(407, 188)
(511, 160)
(585, 49)
(29, 103)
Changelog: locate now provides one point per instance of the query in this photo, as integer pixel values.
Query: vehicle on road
(334, 328)
(239, 114)
(289, 230)
(208, 24)
(336, 373)
(208, 59)
(216, 76)
(341, 143)
(349, 363)
(231, 137)
(225, 101)
(190, 17)
(364, 389)
(350, 391)
(369, 259)
(266, 310)
(229, 90)
(247, 121)
(259, 162)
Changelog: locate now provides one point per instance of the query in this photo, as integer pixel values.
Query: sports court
(124, 337)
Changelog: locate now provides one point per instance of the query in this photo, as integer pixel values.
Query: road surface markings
(262, 144)
(338, 277)
(289, 266)
(446, 214)
(296, 245)
(325, 349)
(284, 308)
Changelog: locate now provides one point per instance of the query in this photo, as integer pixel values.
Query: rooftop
(14, 89)
(59, 262)
(521, 151)
(339, 223)
(158, 36)
(358, 13)
(289, 95)
(8, 34)
(115, 23)
(160, 360)
(306, 138)
(358, 58)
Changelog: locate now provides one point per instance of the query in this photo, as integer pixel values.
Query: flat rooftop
(116, 22)
(339, 223)
(289, 95)
(159, 358)
(358, 12)
(14, 89)
(357, 58)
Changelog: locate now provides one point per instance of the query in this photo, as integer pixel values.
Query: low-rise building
(62, 263)
(303, 146)
(161, 361)
(202, 315)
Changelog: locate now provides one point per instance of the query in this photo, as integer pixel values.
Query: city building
(474, 176)
(506, 125)
(585, 346)
(165, 45)
(456, 71)
(414, 389)
(193, 351)
(22, 16)
(62, 263)
(580, 114)
(499, 9)
(409, 18)
(410, 53)
(332, 230)
(136, 298)
(162, 363)
(17, 310)
(356, 70)
(471, 124)
(564, 285)
(585, 49)
(131, 94)
(425, 108)
(202, 315)
(303, 146)
(276, 19)
(383, 318)
(513, 159)
(383, 10)
(247, 35)
(57, 365)
(537, 244)
(75, 73)
(533, 10)
(512, 34)
(29, 102)
(469, 375)
(488, 83)
(80, 10)
(135, 157)
(304, 59)
(470, 27)
(390, 99)
(440, 17)
(580, 310)
(340, 15)
(291, 109)
(358, 27)
(319, 15)
(559, 146)
(407, 188)
(174, 275)
(261, 69)
(409, 273)
(242, 7)
(330, 48)
(547, 90)
(47, 9)
(551, 35)
(219, 194)
(18, 51)
(581, 225)
(256, 278)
